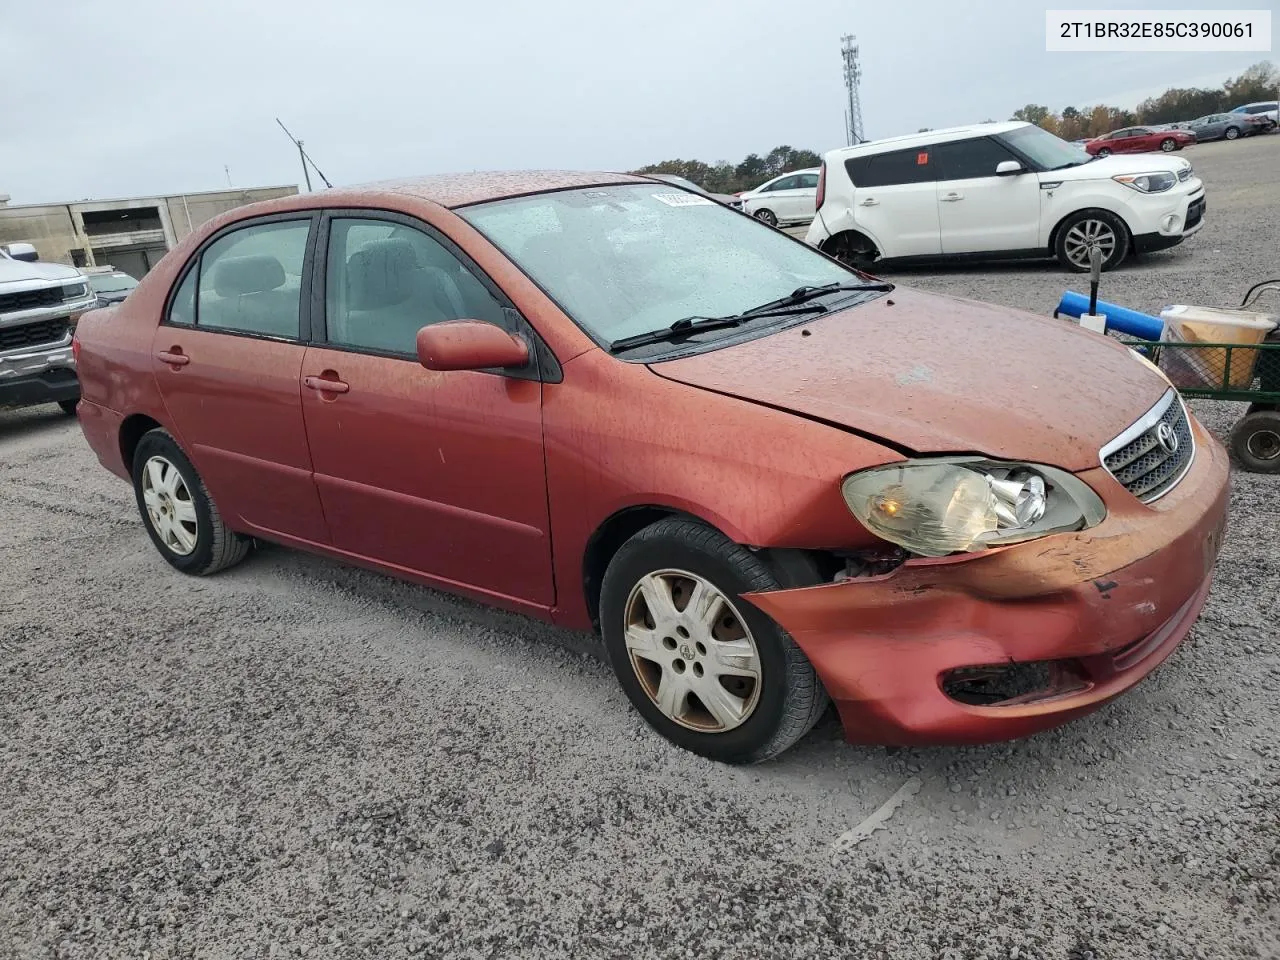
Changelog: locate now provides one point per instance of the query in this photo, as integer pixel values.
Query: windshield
(623, 260)
(1044, 149)
(112, 282)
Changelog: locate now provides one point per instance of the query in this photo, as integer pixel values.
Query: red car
(767, 479)
(1139, 140)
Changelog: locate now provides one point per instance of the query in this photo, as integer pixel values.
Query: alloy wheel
(1084, 236)
(1167, 145)
(767, 216)
(692, 652)
(170, 508)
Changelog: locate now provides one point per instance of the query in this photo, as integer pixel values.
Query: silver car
(1220, 126)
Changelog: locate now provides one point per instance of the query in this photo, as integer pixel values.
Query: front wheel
(1255, 442)
(181, 518)
(1104, 152)
(766, 216)
(705, 668)
(69, 406)
(1168, 145)
(1232, 133)
(1082, 232)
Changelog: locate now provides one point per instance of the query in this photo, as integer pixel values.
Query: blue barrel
(1135, 324)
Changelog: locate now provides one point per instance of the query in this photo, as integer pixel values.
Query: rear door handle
(870, 202)
(952, 197)
(174, 357)
(325, 385)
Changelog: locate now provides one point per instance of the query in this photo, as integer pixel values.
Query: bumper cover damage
(1104, 607)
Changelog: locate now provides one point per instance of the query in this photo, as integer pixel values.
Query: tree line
(726, 177)
(1259, 82)
(1177, 104)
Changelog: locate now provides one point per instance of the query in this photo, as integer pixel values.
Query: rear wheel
(1168, 144)
(1082, 232)
(766, 216)
(181, 518)
(705, 668)
(1255, 442)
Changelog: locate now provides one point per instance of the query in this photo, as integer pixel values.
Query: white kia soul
(998, 191)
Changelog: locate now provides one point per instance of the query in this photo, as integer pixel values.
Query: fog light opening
(1009, 684)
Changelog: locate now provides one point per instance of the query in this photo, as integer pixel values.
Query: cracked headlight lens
(950, 505)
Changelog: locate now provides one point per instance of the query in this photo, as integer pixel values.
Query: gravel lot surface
(296, 758)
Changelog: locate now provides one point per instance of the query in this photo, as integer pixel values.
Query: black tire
(1231, 133)
(766, 216)
(217, 547)
(1064, 238)
(1168, 144)
(790, 699)
(1255, 442)
(1104, 152)
(852, 248)
(69, 406)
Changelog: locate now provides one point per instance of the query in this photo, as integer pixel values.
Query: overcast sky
(135, 97)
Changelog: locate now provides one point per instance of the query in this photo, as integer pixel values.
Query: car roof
(929, 137)
(455, 189)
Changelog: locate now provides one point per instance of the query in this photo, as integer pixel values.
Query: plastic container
(1207, 367)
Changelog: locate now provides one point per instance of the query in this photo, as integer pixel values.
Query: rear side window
(808, 181)
(969, 159)
(892, 169)
(251, 280)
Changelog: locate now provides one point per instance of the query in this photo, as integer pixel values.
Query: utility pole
(852, 78)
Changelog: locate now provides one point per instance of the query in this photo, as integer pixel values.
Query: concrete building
(131, 235)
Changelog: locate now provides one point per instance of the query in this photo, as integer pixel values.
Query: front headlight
(74, 291)
(1148, 182)
(964, 504)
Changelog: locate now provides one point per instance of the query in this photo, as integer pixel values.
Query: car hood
(937, 374)
(12, 271)
(1118, 164)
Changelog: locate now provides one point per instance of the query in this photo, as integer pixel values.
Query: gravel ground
(296, 758)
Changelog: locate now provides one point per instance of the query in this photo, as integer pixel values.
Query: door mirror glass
(1007, 168)
(469, 345)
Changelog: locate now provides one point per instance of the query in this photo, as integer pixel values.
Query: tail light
(822, 187)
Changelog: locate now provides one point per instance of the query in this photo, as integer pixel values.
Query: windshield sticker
(682, 199)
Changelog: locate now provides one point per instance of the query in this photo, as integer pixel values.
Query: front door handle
(325, 385)
(870, 202)
(174, 357)
(952, 197)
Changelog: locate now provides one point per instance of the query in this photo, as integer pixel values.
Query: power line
(302, 155)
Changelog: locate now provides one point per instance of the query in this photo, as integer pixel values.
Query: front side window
(624, 260)
(182, 311)
(969, 159)
(786, 183)
(250, 280)
(385, 281)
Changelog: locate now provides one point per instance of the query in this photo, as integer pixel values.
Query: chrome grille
(1155, 453)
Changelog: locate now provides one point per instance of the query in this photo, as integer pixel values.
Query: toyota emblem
(1167, 438)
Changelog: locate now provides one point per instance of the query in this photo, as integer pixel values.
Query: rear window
(892, 169)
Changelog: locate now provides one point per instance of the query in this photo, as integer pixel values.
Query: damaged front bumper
(1083, 616)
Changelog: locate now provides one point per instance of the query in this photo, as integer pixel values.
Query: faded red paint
(494, 488)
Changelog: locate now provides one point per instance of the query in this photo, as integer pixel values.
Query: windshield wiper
(687, 326)
(805, 294)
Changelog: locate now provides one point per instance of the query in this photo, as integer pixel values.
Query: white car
(1000, 191)
(783, 200)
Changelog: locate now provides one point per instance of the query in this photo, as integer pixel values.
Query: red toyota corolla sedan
(1139, 140)
(766, 479)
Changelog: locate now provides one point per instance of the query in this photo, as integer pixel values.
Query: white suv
(1000, 191)
(783, 200)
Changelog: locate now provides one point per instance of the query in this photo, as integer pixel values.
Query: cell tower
(852, 77)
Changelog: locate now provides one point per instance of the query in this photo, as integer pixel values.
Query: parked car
(39, 305)
(733, 456)
(728, 199)
(786, 199)
(109, 284)
(1139, 140)
(1269, 110)
(1222, 126)
(1000, 190)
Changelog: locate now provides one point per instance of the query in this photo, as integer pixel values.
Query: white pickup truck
(39, 306)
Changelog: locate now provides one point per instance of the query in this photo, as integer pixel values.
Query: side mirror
(1008, 168)
(23, 251)
(469, 345)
